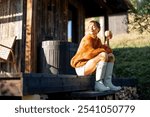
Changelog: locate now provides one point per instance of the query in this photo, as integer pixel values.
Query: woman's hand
(108, 34)
(107, 48)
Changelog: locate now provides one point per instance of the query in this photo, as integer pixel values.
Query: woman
(92, 55)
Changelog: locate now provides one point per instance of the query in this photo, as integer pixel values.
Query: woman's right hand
(107, 48)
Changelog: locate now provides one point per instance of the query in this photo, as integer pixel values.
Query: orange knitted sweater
(89, 48)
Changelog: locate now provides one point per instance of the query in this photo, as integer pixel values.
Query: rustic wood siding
(52, 22)
(48, 21)
(11, 18)
(11, 24)
(55, 19)
(52, 19)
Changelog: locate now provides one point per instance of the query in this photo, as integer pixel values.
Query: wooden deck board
(10, 75)
(85, 94)
(42, 83)
(46, 83)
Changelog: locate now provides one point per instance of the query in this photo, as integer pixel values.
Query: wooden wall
(52, 19)
(11, 18)
(118, 23)
(48, 21)
(11, 24)
(51, 22)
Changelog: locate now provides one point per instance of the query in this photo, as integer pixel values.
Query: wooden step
(42, 83)
(92, 94)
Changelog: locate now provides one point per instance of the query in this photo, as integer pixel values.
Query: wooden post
(28, 42)
(106, 26)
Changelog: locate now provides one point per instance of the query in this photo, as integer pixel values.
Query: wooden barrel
(55, 57)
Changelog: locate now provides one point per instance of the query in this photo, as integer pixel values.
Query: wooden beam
(23, 36)
(28, 36)
(30, 43)
(34, 37)
(106, 18)
(55, 83)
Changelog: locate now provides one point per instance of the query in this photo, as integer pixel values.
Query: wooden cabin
(41, 27)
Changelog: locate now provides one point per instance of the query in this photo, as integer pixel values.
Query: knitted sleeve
(87, 50)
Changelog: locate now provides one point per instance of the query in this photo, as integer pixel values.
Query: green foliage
(134, 63)
(141, 6)
(138, 23)
(134, 3)
(144, 7)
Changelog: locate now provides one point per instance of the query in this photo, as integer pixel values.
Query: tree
(141, 6)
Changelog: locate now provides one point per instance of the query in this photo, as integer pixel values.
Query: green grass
(132, 53)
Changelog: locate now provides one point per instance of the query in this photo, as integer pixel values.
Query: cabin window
(73, 24)
(70, 31)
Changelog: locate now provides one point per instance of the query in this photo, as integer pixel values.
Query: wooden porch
(16, 86)
(37, 21)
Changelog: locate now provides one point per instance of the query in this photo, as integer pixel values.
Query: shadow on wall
(55, 57)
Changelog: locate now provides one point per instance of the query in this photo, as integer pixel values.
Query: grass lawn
(132, 53)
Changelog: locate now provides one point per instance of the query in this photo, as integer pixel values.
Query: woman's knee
(103, 56)
(111, 58)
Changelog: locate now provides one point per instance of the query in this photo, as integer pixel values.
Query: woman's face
(93, 29)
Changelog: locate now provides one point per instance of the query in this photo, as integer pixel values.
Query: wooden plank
(28, 49)
(64, 20)
(30, 42)
(34, 37)
(10, 76)
(10, 98)
(47, 83)
(106, 18)
(10, 19)
(23, 37)
(6, 47)
(90, 94)
(11, 14)
(4, 53)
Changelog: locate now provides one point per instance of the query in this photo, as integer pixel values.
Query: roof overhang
(95, 8)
